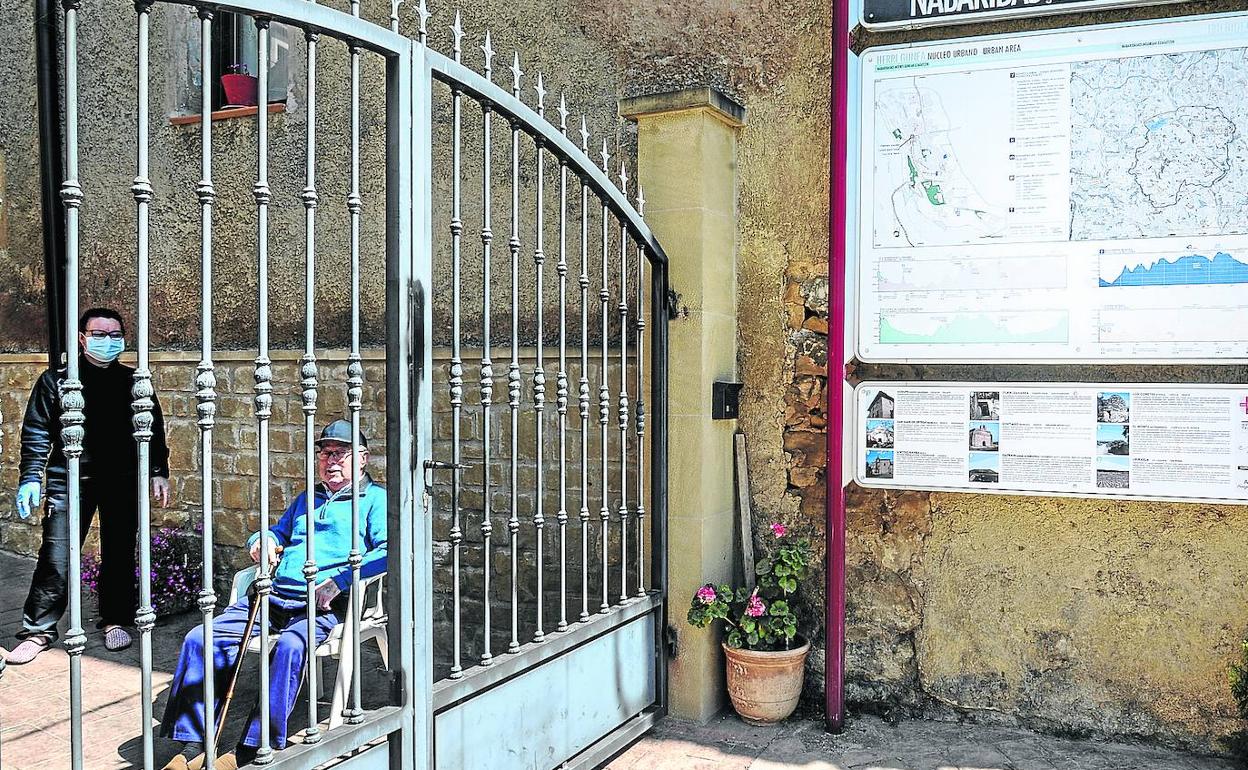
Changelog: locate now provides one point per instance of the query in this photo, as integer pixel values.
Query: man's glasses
(333, 454)
(99, 335)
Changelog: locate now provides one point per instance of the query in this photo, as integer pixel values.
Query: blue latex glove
(27, 498)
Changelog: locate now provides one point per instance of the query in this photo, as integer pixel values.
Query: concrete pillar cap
(717, 103)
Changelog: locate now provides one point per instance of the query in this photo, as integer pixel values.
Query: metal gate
(524, 603)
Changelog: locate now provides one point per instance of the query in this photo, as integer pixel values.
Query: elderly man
(288, 618)
(109, 473)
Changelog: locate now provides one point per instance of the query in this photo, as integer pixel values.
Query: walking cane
(254, 610)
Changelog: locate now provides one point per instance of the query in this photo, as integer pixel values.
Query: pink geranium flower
(756, 608)
(779, 530)
(706, 594)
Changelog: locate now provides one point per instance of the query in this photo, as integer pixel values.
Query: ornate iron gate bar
(145, 617)
(474, 85)
(72, 403)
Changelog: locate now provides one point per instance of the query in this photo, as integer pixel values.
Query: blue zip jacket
(332, 514)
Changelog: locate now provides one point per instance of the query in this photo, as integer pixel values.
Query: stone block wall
(559, 599)
(235, 459)
(236, 487)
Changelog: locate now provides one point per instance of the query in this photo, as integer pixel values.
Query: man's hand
(27, 498)
(160, 491)
(325, 593)
(255, 550)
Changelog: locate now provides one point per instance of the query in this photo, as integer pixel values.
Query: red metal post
(834, 627)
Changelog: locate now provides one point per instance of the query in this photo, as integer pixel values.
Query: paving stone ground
(34, 698)
(34, 720)
(869, 743)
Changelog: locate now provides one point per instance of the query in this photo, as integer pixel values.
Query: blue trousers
(288, 620)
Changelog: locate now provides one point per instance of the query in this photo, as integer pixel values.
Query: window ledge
(228, 113)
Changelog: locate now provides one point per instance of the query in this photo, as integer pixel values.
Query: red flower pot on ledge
(240, 89)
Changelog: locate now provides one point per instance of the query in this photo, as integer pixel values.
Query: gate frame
(411, 69)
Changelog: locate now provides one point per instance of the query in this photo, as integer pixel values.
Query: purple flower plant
(175, 583)
(706, 594)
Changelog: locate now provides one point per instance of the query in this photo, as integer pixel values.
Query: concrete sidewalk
(870, 743)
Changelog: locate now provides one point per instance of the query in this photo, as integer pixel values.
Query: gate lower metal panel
(538, 719)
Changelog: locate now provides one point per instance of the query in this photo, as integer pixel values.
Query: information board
(1180, 442)
(1078, 195)
(908, 14)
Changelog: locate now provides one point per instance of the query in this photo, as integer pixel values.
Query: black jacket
(109, 447)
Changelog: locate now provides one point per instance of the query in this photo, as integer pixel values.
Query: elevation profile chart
(1187, 270)
(1033, 326)
(1064, 195)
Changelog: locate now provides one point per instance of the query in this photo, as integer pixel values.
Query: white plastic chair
(338, 644)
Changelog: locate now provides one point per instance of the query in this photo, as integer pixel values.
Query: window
(234, 52)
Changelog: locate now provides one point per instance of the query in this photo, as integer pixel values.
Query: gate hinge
(673, 304)
(670, 638)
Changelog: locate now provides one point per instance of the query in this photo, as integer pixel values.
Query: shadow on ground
(34, 698)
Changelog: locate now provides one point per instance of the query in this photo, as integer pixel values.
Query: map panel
(1160, 145)
(1072, 195)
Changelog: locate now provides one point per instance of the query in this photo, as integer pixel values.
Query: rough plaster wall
(1078, 617)
(22, 323)
(1088, 617)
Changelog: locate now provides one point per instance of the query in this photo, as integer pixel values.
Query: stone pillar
(686, 148)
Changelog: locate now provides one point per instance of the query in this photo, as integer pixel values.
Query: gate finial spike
(540, 88)
(563, 113)
(457, 30)
(516, 72)
(488, 50)
(394, 15)
(584, 137)
(424, 20)
(605, 157)
(623, 178)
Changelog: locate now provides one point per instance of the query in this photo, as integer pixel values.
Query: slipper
(28, 650)
(178, 762)
(226, 762)
(117, 639)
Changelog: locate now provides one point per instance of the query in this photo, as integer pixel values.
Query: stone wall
(235, 463)
(236, 491)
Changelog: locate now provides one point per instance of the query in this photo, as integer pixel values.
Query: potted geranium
(765, 655)
(240, 86)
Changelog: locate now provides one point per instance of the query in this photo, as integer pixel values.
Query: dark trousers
(288, 622)
(117, 502)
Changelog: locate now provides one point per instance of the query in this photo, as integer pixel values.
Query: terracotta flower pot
(240, 89)
(765, 686)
